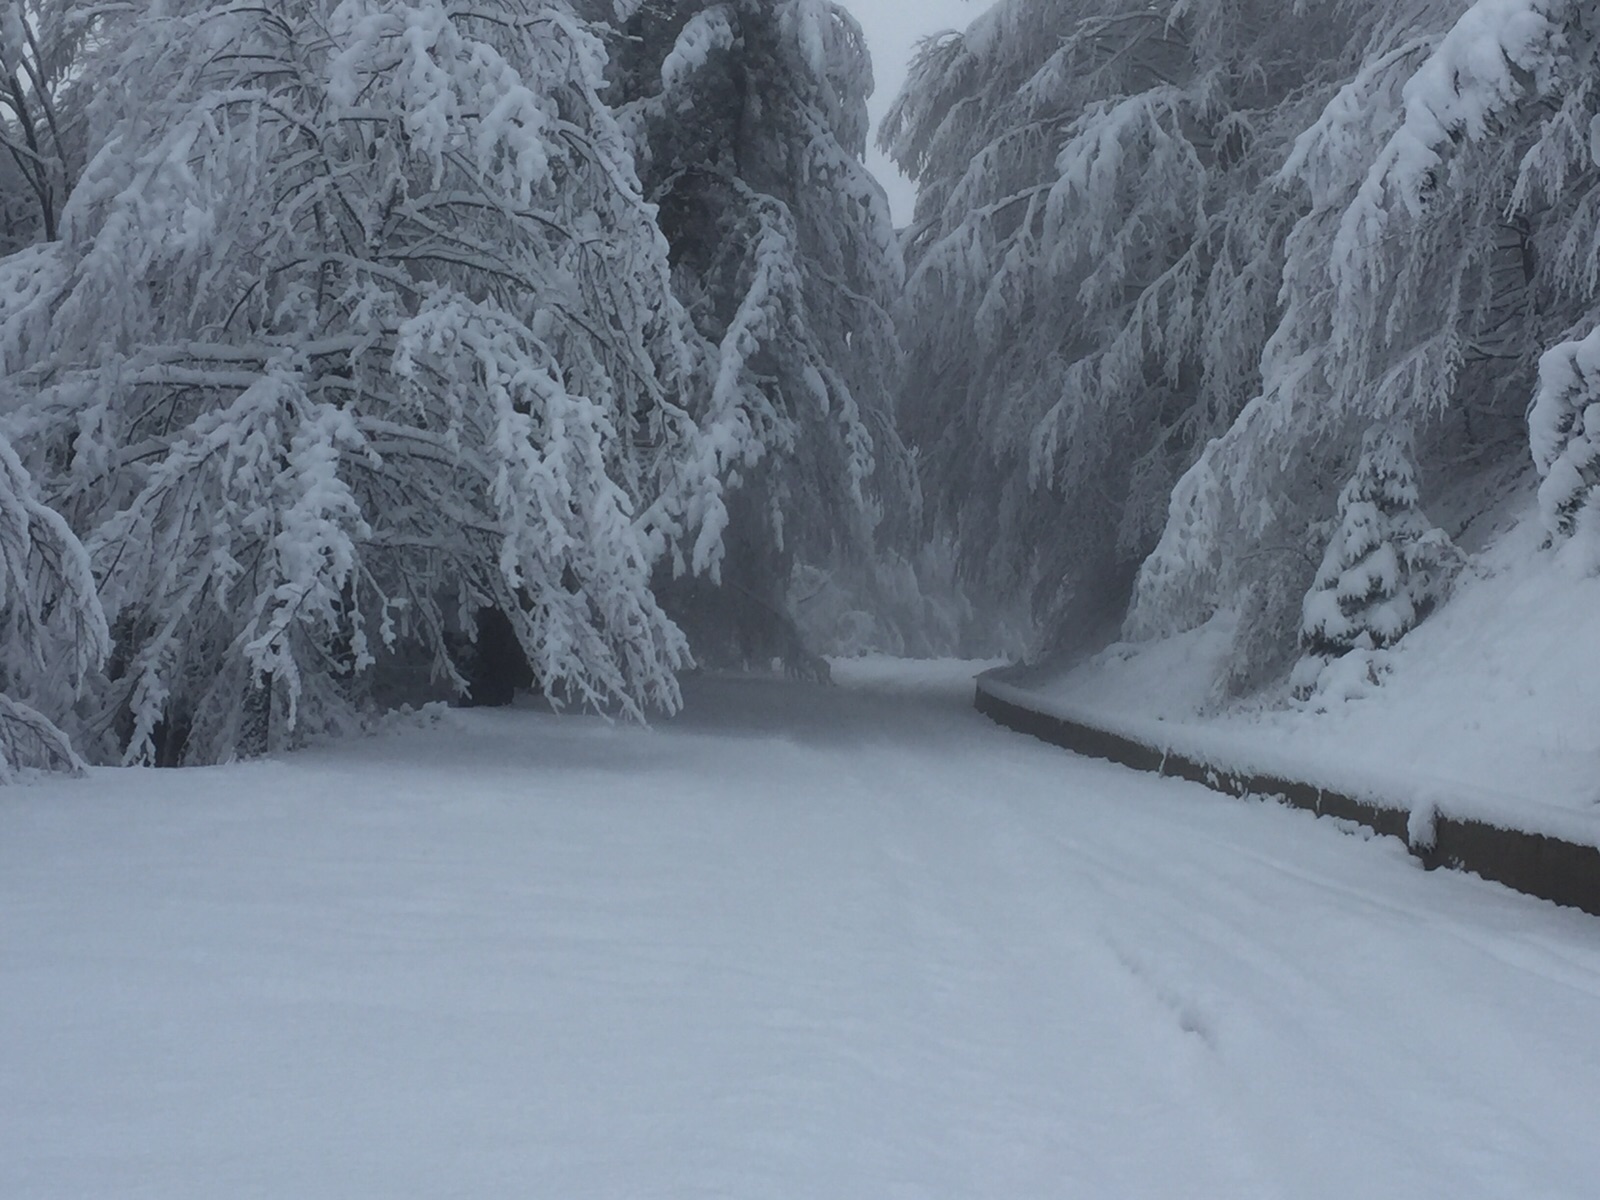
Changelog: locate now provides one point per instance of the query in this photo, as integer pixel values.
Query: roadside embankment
(1557, 859)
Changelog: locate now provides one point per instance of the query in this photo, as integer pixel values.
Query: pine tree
(750, 121)
(1385, 567)
(1564, 428)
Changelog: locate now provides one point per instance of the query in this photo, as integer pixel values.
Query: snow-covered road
(799, 943)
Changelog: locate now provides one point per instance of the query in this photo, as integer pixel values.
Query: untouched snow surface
(802, 942)
(1486, 708)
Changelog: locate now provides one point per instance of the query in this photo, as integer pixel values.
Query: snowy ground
(1487, 708)
(800, 943)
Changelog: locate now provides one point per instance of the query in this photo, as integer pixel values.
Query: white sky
(892, 28)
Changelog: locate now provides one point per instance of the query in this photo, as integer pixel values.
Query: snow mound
(1170, 679)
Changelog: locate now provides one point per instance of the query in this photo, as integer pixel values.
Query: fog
(893, 28)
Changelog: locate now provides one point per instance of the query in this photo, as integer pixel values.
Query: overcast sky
(893, 27)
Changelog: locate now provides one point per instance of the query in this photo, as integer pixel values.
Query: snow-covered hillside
(848, 942)
(1487, 706)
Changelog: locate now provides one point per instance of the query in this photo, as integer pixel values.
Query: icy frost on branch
(52, 628)
(1564, 432)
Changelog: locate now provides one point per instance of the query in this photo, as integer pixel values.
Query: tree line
(1207, 298)
(336, 334)
(330, 328)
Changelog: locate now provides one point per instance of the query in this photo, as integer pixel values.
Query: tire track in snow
(803, 942)
(1201, 900)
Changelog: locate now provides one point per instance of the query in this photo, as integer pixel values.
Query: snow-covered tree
(1386, 565)
(1094, 267)
(1449, 236)
(750, 119)
(52, 629)
(41, 116)
(1564, 428)
(358, 325)
(1171, 260)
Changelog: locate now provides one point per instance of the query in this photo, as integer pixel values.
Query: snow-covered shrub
(1385, 567)
(1564, 431)
(52, 629)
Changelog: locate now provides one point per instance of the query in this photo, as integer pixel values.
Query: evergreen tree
(1449, 236)
(1564, 427)
(1170, 261)
(750, 121)
(1384, 567)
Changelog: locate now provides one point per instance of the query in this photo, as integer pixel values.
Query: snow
(1493, 53)
(1563, 426)
(1485, 708)
(703, 35)
(848, 942)
(1472, 77)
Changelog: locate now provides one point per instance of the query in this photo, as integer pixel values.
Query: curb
(1552, 869)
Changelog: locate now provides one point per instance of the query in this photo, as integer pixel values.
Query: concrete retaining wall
(1565, 872)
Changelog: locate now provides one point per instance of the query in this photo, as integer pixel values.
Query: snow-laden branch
(356, 311)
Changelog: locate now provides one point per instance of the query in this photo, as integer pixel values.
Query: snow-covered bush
(1564, 430)
(52, 629)
(354, 328)
(1386, 565)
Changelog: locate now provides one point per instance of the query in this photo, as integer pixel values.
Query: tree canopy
(333, 330)
(358, 322)
(1172, 262)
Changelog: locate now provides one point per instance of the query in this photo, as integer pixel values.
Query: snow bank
(1486, 709)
